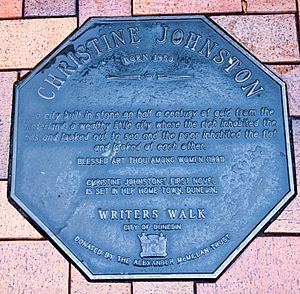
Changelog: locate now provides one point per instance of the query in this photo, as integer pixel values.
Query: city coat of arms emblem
(153, 245)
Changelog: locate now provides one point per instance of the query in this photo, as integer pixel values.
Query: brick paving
(90, 8)
(25, 42)
(10, 8)
(142, 7)
(162, 287)
(32, 267)
(268, 265)
(12, 223)
(291, 75)
(268, 29)
(79, 285)
(49, 7)
(6, 89)
(271, 38)
(263, 6)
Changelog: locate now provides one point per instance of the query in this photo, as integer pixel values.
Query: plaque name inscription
(151, 148)
(97, 46)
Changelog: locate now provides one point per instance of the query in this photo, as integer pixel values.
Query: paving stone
(163, 287)
(32, 267)
(25, 42)
(79, 285)
(7, 80)
(23, 73)
(36, 267)
(288, 221)
(144, 7)
(271, 38)
(271, 6)
(12, 223)
(268, 265)
(10, 8)
(49, 7)
(298, 5)
(89, 8)
(291, 75)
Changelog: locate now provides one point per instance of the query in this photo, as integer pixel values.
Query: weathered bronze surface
(151, 148)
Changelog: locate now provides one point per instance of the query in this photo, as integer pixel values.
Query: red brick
(49, 7)
(79, 285)
(268, 265)
(288, 221)
(89, 8)
(298, 2)
(271, 38)
(10, 8)
(6, 85)
(23, 73)
(163, 287)
(25, 42)
(32, 267)
(12, 223)
(271, 6)
(291, 75)
(144, 7)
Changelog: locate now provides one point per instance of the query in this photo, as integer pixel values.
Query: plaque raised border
(35, 220)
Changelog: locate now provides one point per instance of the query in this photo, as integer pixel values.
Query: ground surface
(30, 29)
